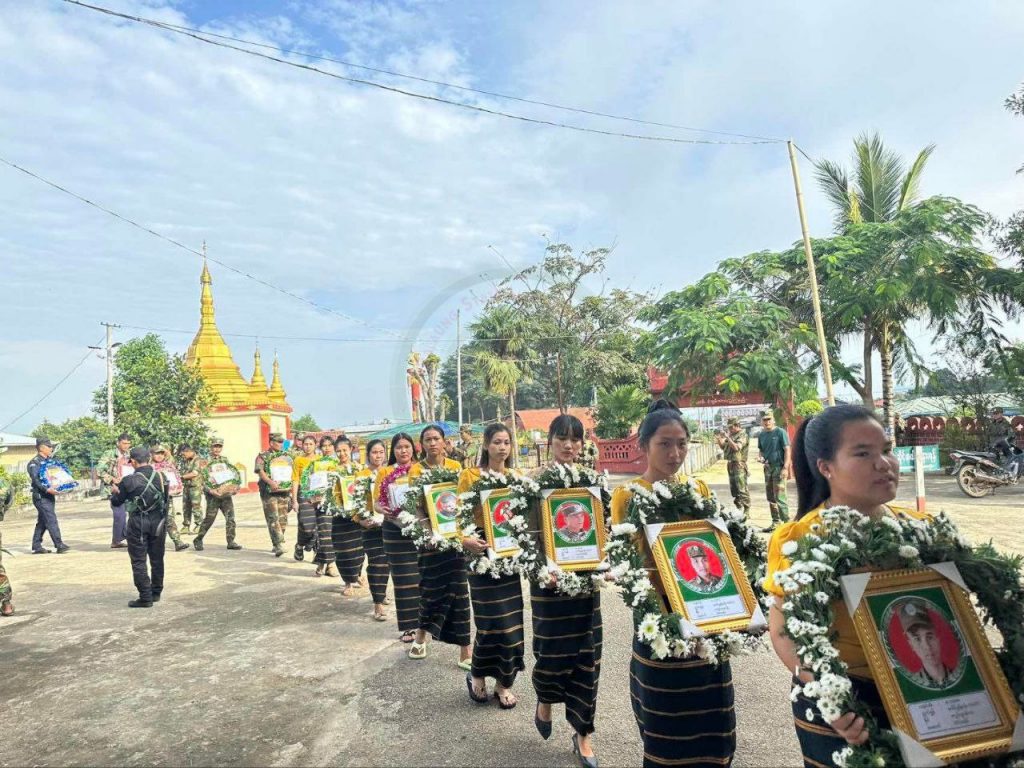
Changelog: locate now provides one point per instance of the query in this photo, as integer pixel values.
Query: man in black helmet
(144, 496)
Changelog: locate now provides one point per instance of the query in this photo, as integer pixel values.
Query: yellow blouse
(622, 495)
(846, 641)
(299, 463)
(419, 467)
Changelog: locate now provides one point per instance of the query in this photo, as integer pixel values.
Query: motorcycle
(979, 473)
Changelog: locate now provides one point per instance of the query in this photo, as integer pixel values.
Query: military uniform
(275, 503)
(6, 593)
(223, 504)
(192, 492)
(999, 430)
(113, 462)
(772, 444)
(735, 447)
(170, 521)
(470, 450)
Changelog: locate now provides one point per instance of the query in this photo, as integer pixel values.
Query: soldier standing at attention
(143, 496)
(773, 443)
(192, 490)
(6, 593)
(45, 501)
(467, 446)
(275, 501)
(215, 503)
(735, 444)
(158, 455)
(117, 467)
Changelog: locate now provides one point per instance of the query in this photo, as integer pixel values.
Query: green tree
(305, 423)
(713, 337)
(82, 440)
(499, 353)
(1009, 235)
(619, 411)
(157, 395)
(579, 338)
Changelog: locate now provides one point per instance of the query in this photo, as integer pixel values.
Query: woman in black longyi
(377, 569)
(401, 552)
(567, 631)
(346, 534)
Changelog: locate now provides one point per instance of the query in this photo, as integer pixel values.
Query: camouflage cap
(734, 421)
(275, 437)
(913, 614)
(572, 508)
(157, 448)
(767, 414)
(217, 441)
(695, 550)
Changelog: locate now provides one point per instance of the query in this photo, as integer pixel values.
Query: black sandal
(472, 693)
(501, 703)
(408, 636)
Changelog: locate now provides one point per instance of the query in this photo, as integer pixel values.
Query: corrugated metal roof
(11, 439)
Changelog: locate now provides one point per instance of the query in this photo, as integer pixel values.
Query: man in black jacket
(144, 494)
(45, 501)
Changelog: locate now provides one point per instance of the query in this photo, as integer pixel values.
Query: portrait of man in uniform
(446, 505)
(573, 522)
(701, 576)
(932, 644)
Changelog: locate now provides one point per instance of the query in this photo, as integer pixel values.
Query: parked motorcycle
(979, 473)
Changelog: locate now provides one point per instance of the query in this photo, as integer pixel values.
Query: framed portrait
(572, 525)
(940, 682)
(280, 468)
(344, 490)
(442, 502)
(702, 576)
(497, 510)
(397, 492)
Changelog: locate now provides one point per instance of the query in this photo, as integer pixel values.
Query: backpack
(151, 498)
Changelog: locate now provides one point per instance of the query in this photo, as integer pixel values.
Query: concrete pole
(458, 361)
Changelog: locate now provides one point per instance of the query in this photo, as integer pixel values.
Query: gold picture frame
(702, 577)
(441, 503)
(938, 677)
(494, 504)
(572, 527)
(342, 492)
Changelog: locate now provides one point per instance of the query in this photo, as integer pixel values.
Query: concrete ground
(250, 660)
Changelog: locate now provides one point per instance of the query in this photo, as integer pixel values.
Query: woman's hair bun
(662, 404)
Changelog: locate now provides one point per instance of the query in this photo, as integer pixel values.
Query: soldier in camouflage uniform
(6, 593)
(159, 459)
(1000, 429)
(735, 444)
(189, 466)
(773, 445)
(275, 501)
(215, 503)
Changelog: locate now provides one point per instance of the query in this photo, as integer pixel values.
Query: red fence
(930, 430)
(621, 457)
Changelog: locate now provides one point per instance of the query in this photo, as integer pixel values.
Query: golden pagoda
(243, 413)
(211, 354)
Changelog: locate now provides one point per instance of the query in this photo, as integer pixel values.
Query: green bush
(19, 482)
(956, 439)
(809, 408)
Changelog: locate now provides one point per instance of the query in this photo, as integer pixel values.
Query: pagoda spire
(277, 393)
(258, 385)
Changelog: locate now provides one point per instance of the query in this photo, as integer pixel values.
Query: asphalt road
(250, 660)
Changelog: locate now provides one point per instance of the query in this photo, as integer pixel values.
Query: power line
(455, 86)
(400, 91)
(202, 255)
(51, 390)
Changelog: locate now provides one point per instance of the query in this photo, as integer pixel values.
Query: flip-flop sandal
(473, 694)
(418, 651)
(379, 617)
(466, 664)
(407, 637)
(502, 704)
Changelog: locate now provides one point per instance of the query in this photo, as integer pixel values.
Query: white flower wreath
(485, 563)
(416, 527)
(524, 492)
(669, 502)
(846, 540)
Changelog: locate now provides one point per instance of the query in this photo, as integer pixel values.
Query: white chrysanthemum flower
(659, 646)
(789, 548)
(648, 627)
(908, 552)
(623, 529)
(840, 757)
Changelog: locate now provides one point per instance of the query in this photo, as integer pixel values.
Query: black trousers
(147, 538)
(46, 521)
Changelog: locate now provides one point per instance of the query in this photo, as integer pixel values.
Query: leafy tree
(807, 408)
(82, 440)
(1009, 235)
(18, 482)
(713, 337)
(500, 355)
(157, 396)
(305, 423)
(619, 411)
(579, 339)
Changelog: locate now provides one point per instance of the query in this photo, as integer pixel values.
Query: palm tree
(880, 189)
(499, 350)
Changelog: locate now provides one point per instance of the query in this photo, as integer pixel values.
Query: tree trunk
(868, 395)
(558, 377)
(515, 435)
(888, 385)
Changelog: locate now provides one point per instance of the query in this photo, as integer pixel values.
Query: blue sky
(384, 207)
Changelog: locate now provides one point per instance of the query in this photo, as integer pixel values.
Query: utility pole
(110, 373)
(458, 361)
(826, 367)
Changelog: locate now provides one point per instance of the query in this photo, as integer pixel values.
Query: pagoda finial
(206, 298)
(277, 393)
(258, 392)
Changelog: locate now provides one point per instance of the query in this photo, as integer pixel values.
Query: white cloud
(376, 204)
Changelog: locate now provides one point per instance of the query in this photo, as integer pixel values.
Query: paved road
(249, 660)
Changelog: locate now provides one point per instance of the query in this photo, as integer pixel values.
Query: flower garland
(524, 494)
(418, 528)
(385, 486)
(485, 562)
(333, 496)
(268, 457)
(319, 464)
(846, 540)
(56, 471)
(362, 500)
(210, 485)
(666, 503)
